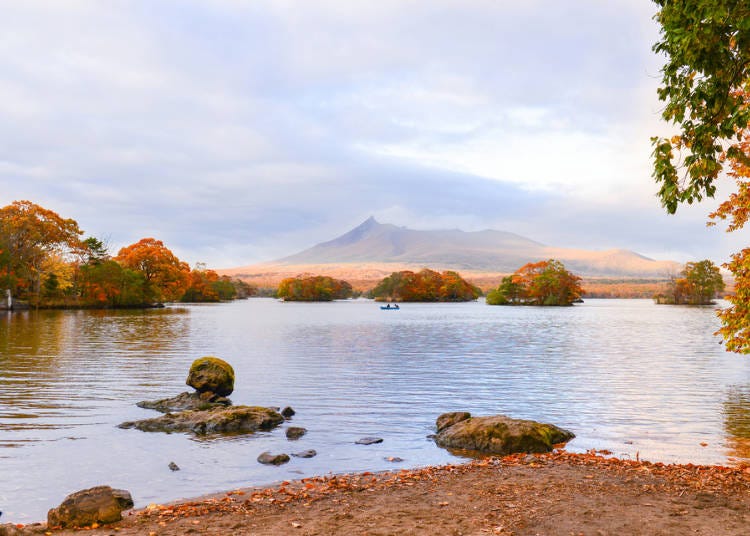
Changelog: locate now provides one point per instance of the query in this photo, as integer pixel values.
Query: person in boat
(388, 306)
(395, 306)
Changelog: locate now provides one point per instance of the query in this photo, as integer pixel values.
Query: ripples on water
(625, 375)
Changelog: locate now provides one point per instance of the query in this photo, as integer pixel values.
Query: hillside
(373, 250)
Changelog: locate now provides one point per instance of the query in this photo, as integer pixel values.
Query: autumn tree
(166, 276)
(314, 288)
(29, 235)
(207, 286)
(705, 85)
(538, 283)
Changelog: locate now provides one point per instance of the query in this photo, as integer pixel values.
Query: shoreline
(555, 493)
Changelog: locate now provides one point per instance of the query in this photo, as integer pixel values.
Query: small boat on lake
(388, 307)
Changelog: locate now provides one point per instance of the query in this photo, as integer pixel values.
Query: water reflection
(737, 421)
(55, 374)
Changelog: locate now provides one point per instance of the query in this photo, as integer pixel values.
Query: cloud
(243, 131)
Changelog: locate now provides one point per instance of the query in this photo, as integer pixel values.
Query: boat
(388, 307)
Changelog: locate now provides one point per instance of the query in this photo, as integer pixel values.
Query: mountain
(477, 251)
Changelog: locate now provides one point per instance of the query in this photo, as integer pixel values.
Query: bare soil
(553, 494)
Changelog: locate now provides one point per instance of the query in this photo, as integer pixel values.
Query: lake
(624, 375)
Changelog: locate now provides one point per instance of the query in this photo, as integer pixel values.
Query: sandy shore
(552, 494)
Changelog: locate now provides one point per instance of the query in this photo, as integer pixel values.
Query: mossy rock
(231, 419)
(211, 374)
(101, 504)
(502, 435)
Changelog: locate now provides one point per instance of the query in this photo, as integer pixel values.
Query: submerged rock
(231, 419)
(310, 453)
(369, 440)
(288, 412)
(101, 504)
(173, 466)
(295, 432)
(211, 374)
(273, 459)
(501, 435)
(184, 401)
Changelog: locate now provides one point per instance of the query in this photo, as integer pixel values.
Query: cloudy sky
(240, 132)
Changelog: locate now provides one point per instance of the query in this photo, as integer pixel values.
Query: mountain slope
(483, 251)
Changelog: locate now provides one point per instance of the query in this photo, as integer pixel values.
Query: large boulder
(231, 419)
(101, 504)
(211, 374)
(184, 401)
(501, 435)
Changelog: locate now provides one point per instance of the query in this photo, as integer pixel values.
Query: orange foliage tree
(538, 283)
(425, 286)
(736, 209)
(167, 277)
(29, 235)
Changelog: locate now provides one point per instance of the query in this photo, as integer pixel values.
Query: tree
(95, 251)
(166, 276)
(706, 84)
(109, 284)
(29, 234)
(538, 283)
(704, 281)
(707, 45)
(510, 291)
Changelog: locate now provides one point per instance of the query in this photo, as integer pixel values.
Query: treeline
(45, 261)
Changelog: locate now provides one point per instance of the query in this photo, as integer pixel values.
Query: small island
(425, 286)
(538, 283)
(700, 283)
(314, 288)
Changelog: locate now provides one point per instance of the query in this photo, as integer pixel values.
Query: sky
(243, 131)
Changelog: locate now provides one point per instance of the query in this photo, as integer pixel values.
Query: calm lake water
(624, 375)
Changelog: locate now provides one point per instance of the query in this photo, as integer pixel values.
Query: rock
(273, 459)
(502, 435)
(369, 440)
(394, 459)
(101, 504)
(305, 454)
(231, 419)
(183, 401)
(287, 412)
(449, 419)
(295, 432)
(173, 466)
(211, 374)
